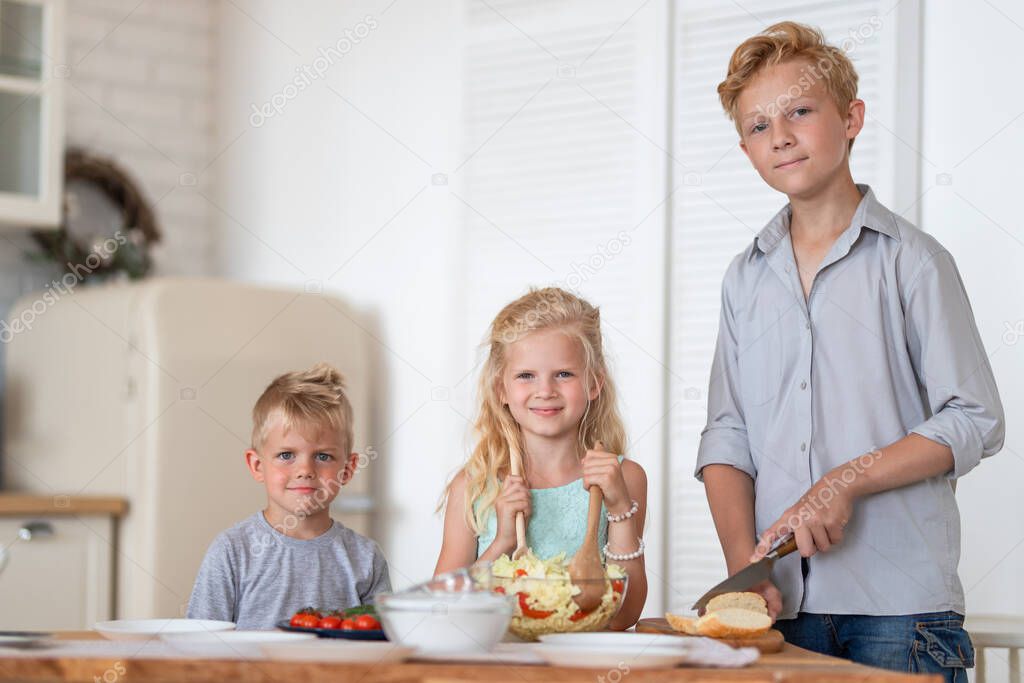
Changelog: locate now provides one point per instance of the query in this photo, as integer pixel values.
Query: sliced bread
(733, 622)
(748, 601)
(687, 625)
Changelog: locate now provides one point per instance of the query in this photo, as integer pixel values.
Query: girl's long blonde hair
(498, 436)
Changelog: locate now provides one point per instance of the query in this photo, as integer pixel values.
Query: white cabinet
(32, 81)
(56, 569)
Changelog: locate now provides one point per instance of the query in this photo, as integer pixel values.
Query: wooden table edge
(29, 504)
(792, 665)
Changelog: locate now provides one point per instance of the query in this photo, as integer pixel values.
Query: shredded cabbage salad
(545, 593)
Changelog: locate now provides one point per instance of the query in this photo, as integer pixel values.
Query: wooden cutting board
(770, 642)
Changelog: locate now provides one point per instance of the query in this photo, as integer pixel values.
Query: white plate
(336, 650)
(141, 629)
(503, 653)
(625, 642)
(22, 638)
(605, 658)
(230, 643)
(640, 650)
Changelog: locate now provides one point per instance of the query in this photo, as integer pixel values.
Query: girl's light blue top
(558, 521)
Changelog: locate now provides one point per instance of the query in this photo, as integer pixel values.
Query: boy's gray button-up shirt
(886, 345)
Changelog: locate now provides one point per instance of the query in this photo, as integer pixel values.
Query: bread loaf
(730, 615)
(733, 622)
(687, 625)
(748, 601)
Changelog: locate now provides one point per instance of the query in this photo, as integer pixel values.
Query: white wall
(140, 91)
(343, 176)
(328, 184)
(973, 131)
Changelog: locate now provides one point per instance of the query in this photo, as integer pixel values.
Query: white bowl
(440, 622)
(336, 650)
(142, 629)
(230, 644)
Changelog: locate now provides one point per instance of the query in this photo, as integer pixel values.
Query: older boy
(292, 554)
(850, 388)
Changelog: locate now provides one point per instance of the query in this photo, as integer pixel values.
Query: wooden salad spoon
(516, 466)
(586, 567)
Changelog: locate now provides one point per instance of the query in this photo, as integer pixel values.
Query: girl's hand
(604, 470)
(514, 498)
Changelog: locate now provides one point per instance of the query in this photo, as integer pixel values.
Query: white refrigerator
(145, 390)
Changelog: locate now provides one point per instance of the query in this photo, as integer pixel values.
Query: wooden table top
(14, 504)
(792, 664)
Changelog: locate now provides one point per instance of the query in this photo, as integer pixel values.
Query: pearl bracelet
(625, 515)
(625, 556)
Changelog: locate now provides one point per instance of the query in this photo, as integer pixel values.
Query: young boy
(850, 388)
(292, 554)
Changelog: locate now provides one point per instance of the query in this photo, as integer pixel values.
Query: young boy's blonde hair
(308, 400)
(784, 42)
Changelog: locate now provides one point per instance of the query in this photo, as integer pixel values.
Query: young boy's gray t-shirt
(255, 576)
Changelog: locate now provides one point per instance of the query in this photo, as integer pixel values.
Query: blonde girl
(545, 393)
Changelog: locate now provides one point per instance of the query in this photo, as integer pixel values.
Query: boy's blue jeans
(935, 642)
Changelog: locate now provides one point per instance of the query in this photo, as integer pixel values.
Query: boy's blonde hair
(498, 434)
(784, 42)
(307, 400)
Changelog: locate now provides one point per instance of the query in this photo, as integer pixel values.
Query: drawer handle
(32, 530)
(27, 532)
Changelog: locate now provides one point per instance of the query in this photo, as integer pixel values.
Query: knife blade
(752, 575)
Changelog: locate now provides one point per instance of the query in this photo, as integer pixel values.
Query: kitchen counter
(792, 664)
(29, 504)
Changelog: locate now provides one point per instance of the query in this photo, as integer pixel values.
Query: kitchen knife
(752, 575)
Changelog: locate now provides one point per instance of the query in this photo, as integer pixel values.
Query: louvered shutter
(566, 137)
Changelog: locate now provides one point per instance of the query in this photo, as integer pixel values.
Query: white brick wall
(142, 92)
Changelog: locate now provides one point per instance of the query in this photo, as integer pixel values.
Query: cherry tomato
(579, 614)
(520, 572)
(330, 622)
(366, 622)
(531, 612)
(305, 620)
(618, 585)
(347, 625)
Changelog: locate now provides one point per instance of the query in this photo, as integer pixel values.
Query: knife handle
(787, 546)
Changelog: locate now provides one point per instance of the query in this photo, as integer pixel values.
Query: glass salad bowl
(542, 595)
